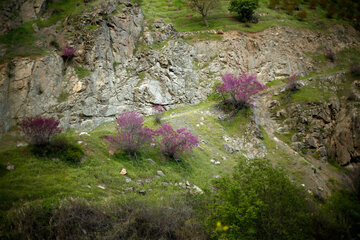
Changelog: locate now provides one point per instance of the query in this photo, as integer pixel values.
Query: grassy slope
(47, 181)
(184, 20)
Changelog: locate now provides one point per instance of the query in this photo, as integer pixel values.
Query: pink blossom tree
(242, 89)
(131, 135)
(174, 142)
(40, 130)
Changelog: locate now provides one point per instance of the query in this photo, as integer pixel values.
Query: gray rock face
(167, 71)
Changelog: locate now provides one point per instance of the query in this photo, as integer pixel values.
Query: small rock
(202, 118)
(150, 190)
(84, 133)
(22, 144)
(216, 176)
(201, 123)
(321, 189)
(223, 158)
(198, 125)
(187, 183)
(160, 173)
(88, 186)
(217, 163)
(10, 166)
(220, 32)
(80, 142)
(197, 189)
(212, 161)
(123, 171)
(165, 184)
(310, 192)
(142, 192)
(129, 189)
(148, 181)
(139, 182)
(101, 186)
(151, 161)
(303, 185)
(127, 179)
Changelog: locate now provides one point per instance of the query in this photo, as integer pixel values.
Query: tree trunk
(205, 20)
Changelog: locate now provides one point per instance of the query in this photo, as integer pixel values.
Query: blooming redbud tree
(40, 130)
(67, 52)
(131, 134)
(242, 89)
(174, 142)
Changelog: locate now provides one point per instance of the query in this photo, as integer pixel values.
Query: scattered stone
(22, 144)
(148, 181)
(88, 186)
(202, 118)
(197, 189)
(160, 173)
(80, 142)
(216, 176)
(303, 185)
(150, 190)
(84, 133)
(223, 158)
(128, 189)
(10, 166)
(165, 184)
(101, 186)
(142, 192)
(217, 163)
(198, 125)
(127, 179)
(139, 182)
(310, 192)
(212, 161)
(228, 148)
(151, 161)
(123, 171)
(201, 123)
(321, 189)
(203, 141)
(187, 183)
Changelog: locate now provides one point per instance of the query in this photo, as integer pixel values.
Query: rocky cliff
(121, 65)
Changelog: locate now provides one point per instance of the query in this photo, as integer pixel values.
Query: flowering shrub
(131, 134)
(159, 111)
(292, 83)
(67, 52)
(40, 130)
(174, 142)
(242, 89)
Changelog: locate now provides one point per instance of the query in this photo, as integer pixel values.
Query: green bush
(244, 8)
(60, 148)
(258, 202)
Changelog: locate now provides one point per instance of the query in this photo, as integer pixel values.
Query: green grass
(311, 94)
(82, 72)
(185, 20)
(47, 180)
(62, 97)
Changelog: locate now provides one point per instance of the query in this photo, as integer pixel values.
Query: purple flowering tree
(242, 89)
(67, 53)
(131, 134)
(39, 130)
(174, 142)
(292, 83)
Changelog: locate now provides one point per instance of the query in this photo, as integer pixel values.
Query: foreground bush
(244, 8)
(242, 89)
(40, 130)
(61, 148)
(258, 202)
(174, 142)
(132, 136)
(78, 219)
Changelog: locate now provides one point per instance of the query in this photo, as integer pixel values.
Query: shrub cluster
(242, 90)
(42, 134)
(244, 8)
(133, 136)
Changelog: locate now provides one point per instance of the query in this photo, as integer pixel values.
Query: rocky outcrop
(14, 12)
(328, 129)
(131, 68)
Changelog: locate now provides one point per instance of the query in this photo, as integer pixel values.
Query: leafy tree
(40, 130)
(131, 134)
(174, 142)
(258, 202)
(202, 7)
(242, 89)
(244, 8)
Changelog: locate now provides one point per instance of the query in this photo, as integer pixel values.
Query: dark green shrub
(60, 148)
(273, 3)
(258, 202)
(244, 8)
(355, 69)
(301, 15)
(313, 4)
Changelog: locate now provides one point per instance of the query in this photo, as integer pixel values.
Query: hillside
(284, 167)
